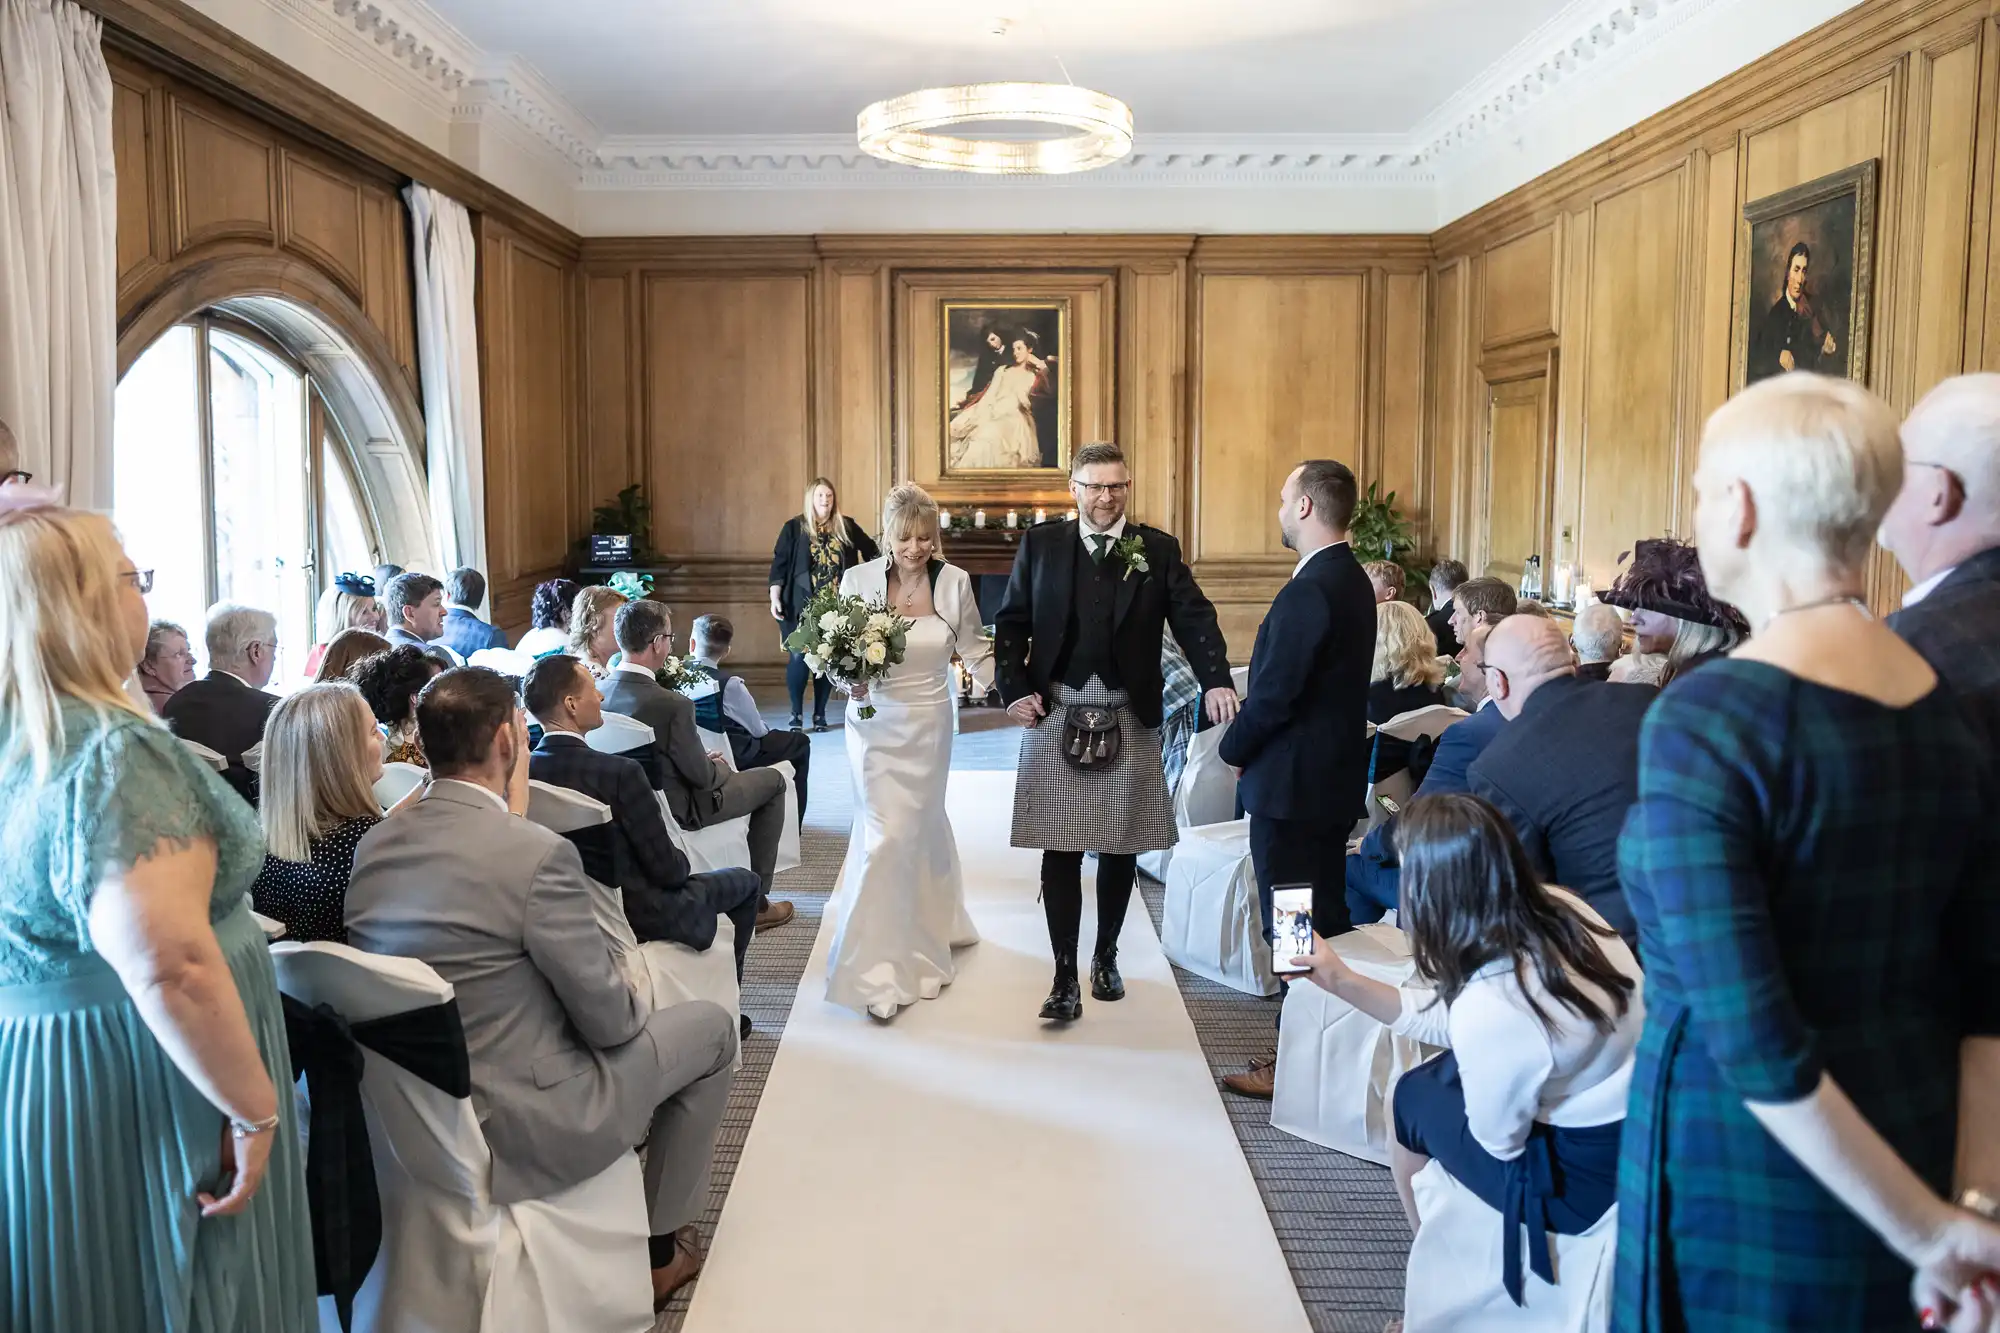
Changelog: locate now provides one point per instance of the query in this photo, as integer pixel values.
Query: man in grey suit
(1944, 528)
(701, 788)
(568, 1071)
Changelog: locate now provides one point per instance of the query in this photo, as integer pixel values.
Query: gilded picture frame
(1805, 278)
(1006, 389)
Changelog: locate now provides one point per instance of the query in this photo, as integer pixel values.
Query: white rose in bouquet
(830, 622)
(876, 653)
(815, 663)
(879, 624)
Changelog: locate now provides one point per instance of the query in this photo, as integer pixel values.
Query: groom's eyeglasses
(1109, 488)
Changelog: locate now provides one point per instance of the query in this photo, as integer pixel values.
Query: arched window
(232, 481)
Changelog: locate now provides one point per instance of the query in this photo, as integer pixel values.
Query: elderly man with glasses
(226, 709)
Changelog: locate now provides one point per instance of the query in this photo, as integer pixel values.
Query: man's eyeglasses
(1108, 488)
(142, 579)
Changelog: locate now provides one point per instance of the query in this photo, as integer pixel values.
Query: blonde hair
(908, 509)
(1693, 639)
(315, 771)
(335, 613)
(1405, 649)
(835, 523)
(594, 608)
(62, 629)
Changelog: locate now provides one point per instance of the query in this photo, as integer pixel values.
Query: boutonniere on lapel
(1130, 551)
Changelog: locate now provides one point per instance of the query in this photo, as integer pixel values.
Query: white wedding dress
(900, 908)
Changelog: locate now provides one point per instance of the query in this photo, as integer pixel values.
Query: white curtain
(448, 357)
(58, 246)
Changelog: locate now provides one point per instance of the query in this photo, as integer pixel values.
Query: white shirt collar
(548, 730)
(1927, 587)
(1114, 532)
(639, 671)
(1310, 554)
(499, 801)
(219, 671)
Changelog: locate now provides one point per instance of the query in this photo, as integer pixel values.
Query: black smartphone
(1291, 922)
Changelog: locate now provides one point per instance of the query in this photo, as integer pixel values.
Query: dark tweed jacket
(1957, 629)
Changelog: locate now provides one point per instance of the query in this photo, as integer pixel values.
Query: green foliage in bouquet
(849, 640)
(683, 673)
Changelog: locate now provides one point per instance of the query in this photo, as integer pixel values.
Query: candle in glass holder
(1013, 519)
(1041, 516)
(1562, 587)
(944, 519)
(1584, 596)
(979, 518)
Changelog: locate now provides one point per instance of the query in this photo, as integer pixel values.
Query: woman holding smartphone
(1536, 1000)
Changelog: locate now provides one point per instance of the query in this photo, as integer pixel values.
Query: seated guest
(701, 789)
(1566, 768)
(350, 603)
(569, 1072)
(464, 632)
(1672, 612)
(226, 709)
(1476, 602)
(414, 604)
(168, 666)
(1537, 1002)
(1944, 529)
(322, 756)
(385, 574)
(548, 618)
(593, 628)
(1597, 637)
(728, 708)
(348, 648)
(663, 901)
(391, 682)
(1406, 677)
(1386, 577)
(1446, 577)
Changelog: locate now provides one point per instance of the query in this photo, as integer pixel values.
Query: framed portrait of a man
(1805, 275)
(1006, 391)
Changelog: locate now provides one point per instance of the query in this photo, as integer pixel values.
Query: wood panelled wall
(725, 373)
(1583, 326)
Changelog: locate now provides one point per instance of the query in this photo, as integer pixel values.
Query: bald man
(1565, 768)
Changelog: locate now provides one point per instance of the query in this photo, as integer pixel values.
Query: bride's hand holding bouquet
(850, 641)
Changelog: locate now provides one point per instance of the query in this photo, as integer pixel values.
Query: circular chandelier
(903, 129)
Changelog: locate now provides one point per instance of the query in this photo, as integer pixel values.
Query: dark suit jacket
(1301, 738)
(465, 633)
(1034, 619)
(1597, 671)
(399, 637)
(1457, 746)
(1957, 629)
(692, 781)
(792, 567)
(651, 873)
(1440, 622)
(227, 716)
(1564, 773)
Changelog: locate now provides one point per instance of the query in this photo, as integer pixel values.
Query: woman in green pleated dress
(148, 1180)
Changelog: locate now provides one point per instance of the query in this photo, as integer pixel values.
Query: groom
(1086, 607)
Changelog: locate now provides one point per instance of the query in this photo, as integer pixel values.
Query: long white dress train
(900, 908)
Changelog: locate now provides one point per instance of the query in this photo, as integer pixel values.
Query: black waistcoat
(1092, 617)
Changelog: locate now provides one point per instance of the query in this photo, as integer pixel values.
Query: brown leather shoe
(1258, 1083)
(775, 915)
(1263, 1062)
(685, 1268)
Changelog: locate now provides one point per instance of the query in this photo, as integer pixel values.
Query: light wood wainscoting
(1617, 275)
(725, 374)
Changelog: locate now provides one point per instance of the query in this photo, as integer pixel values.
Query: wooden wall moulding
(1311, 254)
(225, 180)
(1523, 288)
(320, 216)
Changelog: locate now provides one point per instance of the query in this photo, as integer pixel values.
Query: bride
(901, 905)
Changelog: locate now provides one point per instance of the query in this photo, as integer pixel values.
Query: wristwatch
(244, 1129)
(1978, 1201)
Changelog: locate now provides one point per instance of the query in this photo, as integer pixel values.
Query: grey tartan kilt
(1121, 810)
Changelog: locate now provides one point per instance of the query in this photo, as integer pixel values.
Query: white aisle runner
(965, 1169)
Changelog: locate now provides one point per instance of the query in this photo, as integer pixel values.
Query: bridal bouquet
(682, 673)
(849, 640)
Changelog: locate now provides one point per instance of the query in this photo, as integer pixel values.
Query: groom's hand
(1221, 705)
(1028, 709)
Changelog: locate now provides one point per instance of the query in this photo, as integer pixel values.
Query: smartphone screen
(1389, 804)
(1291, 920)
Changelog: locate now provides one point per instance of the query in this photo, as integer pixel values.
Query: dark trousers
(796, 676)
(773, 748)
(732, 893)
(1299, 851)
(1062, 902)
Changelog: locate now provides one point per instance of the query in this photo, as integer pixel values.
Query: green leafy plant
(1380, 532)
(629, 513)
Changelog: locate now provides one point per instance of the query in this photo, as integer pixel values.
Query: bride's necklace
(908, 591)
(1838, 599)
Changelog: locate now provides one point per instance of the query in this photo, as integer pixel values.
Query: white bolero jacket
(951, 595)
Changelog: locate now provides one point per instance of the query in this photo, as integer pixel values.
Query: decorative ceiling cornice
(411, 35)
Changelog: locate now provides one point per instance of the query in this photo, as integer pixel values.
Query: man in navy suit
(464, 632)
(1300, 741)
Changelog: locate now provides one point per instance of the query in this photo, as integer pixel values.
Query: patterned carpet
(1336, 1218)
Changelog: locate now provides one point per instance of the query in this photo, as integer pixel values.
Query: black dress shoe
(744, 1028)
(1105, 983)
(819, 725)
(798, 723)
(1065, 1002)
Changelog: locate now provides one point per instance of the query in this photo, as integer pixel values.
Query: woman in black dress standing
(813, 551)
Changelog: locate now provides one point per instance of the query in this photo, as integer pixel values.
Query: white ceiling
(791, 67)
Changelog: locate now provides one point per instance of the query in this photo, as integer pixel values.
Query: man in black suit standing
(1077, 646)
(1944, 529)
(226, 709)
(1301, 741)
(1447, 576)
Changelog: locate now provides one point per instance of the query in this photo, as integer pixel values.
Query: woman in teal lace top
(147, 1180)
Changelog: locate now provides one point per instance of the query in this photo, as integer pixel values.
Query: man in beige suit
(568, 1072)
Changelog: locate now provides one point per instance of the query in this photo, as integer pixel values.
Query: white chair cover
(206, 755)
(1453, 1281)
(1207, 794)
(1400, 787)
(453, 1261)
(560, 810)
(1240, 678)
(789, 857)
(253, 758)
(506, 661)
(619, 735)
(1210, 923)
(396, 782)
(1337, 1066)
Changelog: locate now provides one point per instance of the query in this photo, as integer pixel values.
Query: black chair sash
(340, 1168)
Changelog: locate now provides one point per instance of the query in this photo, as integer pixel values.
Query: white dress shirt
(1515, 1071)
(643, 673)
(1084, 530)
(1927, 587)
(1310, 554)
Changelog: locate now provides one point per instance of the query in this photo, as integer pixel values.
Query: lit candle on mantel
(979, 518)
(1563, 586)
(1041, 516)
(1584, 596)
(944, 519)
(1013, 519)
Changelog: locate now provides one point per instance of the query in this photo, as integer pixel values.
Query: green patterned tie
(1102, 541)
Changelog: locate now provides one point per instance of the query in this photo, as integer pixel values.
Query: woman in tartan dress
(1812, 869)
